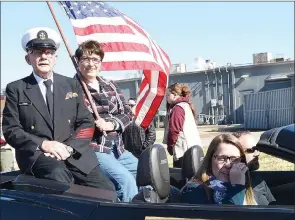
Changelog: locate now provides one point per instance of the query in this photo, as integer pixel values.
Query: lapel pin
(69, 95)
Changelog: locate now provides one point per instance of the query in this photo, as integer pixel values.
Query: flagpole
(80, 77)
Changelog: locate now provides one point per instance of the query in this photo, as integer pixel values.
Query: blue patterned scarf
(219, 189)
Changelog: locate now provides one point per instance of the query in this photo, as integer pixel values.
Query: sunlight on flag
(127, 47)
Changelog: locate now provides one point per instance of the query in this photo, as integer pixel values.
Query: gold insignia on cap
(32, 127)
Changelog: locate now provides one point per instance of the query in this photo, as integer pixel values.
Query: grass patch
(271, 163)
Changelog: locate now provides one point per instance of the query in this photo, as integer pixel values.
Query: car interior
(160, 184)
(279, 142)
(153, 176)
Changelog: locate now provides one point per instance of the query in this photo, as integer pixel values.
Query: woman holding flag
(115, 115)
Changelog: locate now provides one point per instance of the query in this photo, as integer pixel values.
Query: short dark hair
(89, 47)
(238, 134)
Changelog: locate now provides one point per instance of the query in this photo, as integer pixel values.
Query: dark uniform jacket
(27, 123)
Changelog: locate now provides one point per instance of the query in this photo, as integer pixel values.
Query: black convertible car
(25, 197)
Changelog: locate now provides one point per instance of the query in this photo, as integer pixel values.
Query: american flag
(127, 46)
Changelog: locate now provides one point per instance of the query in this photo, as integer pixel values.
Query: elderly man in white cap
(46, 121)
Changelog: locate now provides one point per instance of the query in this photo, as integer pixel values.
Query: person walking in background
(135, 138)
(181, 130)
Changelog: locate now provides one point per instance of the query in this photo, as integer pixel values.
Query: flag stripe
(139, 30)
(156, 101)
(86, 22)
(120, 47)
(98, 28)
(155, 51)
(128, 56)
(143, 84)
(127, 46)
(123, 65)
(114, 37)
(141, 108)
(152, 98)
(144, 33)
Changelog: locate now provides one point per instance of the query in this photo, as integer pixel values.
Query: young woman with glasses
(223, 177)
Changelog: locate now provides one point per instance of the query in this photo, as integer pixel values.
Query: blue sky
(222, 31)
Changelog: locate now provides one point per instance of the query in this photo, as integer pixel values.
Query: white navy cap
(131, 102)
(41, 37)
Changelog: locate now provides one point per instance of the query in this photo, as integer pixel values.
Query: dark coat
(27, 123)
(136, 139)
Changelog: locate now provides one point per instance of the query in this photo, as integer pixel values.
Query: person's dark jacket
(27, 123)
(262, 193)
(136, 139)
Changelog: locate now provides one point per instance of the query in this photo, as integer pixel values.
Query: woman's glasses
(88, 59)
(224, 159)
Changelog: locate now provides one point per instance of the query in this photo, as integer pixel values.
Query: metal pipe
(221, 91)
(234, 94)
(136, 87)
(208, 91)
(229, 96)
(216, 108)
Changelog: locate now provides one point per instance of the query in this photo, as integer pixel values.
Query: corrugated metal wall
(266, 110)
(231, 87)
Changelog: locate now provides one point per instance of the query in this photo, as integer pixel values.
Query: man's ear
(55, 57)
(27, 59)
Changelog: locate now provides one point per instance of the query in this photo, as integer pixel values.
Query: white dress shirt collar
(42, 85)
(41, 80)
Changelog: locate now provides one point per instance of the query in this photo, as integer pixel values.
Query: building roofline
(236, 66)
(291, 74)
(264, 64)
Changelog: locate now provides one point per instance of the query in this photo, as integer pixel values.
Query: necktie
(49, 96)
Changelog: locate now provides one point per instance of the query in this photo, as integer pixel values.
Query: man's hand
(55, 149)
(103, 125)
